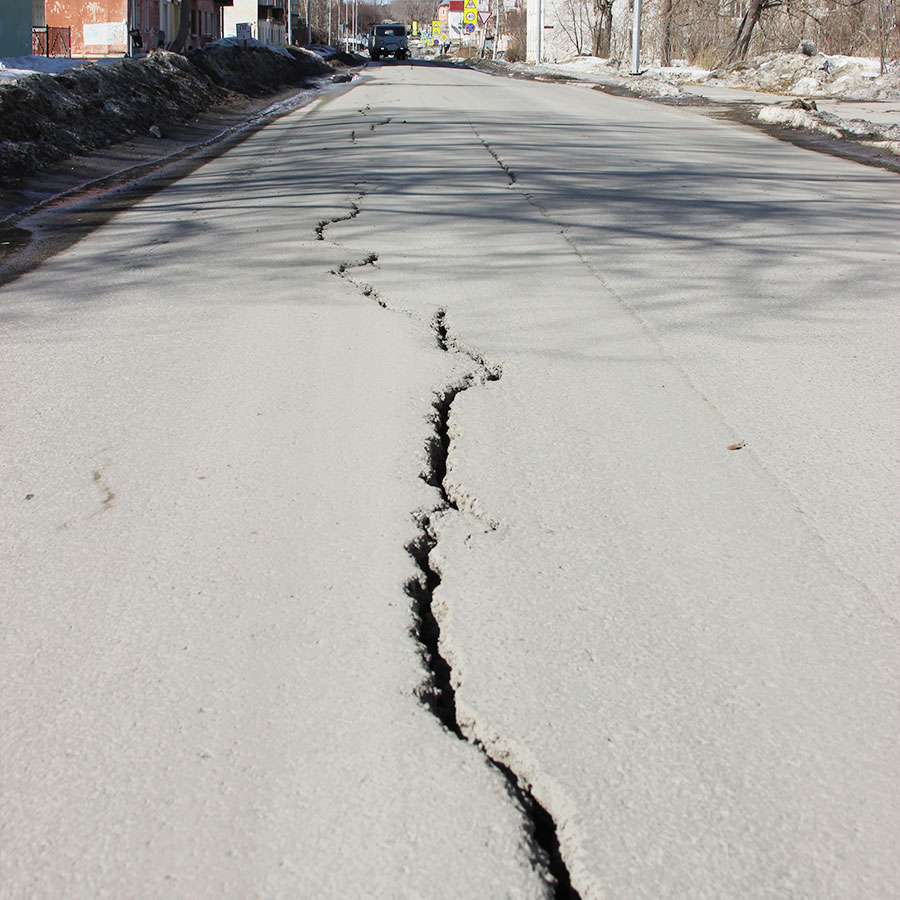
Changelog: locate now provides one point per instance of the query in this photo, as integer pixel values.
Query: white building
(566, 29)
(267, 20)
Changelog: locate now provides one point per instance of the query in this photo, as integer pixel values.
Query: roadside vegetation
(46, 118)
(713, 33)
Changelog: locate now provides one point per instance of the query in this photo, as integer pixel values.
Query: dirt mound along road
(48, 118)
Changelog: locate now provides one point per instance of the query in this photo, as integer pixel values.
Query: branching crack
(368, 290)
(438, 693)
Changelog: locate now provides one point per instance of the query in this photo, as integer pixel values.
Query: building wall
(558, 45)
(242, 11)
(99, 27)
(267, 18)
(148, 22)
(273, 22)
(169, 13)
(15, 28)
(204, 24)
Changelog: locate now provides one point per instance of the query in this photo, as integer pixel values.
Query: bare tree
(666, 21)
(741, 42)
(602, 28)
(180, 40)
(514, 24)
(574, 18)
(407, 11)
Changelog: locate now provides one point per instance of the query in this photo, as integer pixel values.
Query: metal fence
(47, 40)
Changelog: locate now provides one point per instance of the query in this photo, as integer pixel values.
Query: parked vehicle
(388, 39)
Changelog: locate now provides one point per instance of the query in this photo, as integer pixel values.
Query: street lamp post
(636, 40)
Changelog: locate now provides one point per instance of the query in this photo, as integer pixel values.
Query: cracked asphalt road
(421, 398)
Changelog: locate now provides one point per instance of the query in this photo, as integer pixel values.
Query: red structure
(131, 27)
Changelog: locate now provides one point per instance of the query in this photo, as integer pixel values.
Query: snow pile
(795, 118)
(12, 68)
(257, 68)
(678, 73)
(246, 43)
(843, 78)
(806, 116)
(45, 118)
(794, 74)
(840, 77)
(608, 73)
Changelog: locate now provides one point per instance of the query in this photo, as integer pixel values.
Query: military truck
(388, 39)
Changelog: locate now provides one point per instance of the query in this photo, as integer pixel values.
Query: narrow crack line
(669, 356)
(438, 692)
(366, 289)
(375, 125)
(510, 174)
(449, 343)
(354, 212)
(369, 260)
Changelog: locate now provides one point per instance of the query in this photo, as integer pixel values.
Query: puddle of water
(12, 239)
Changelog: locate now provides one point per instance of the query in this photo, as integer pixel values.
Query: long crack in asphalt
(438, 693)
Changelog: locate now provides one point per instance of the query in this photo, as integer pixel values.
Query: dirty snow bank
(607, 74)
(256, 68)
(818, 76)
(838, 77)
(45, 118)
(802, 114)
(12, 68)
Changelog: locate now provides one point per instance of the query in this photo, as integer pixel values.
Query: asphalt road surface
(461, 488)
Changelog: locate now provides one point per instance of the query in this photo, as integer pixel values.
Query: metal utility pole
(308, 24)
(496, 31)
(636, 40)
(539, 31)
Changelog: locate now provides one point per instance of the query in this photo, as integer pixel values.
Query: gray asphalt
(460, 486)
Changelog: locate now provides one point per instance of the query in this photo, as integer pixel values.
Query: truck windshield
(396, 31)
